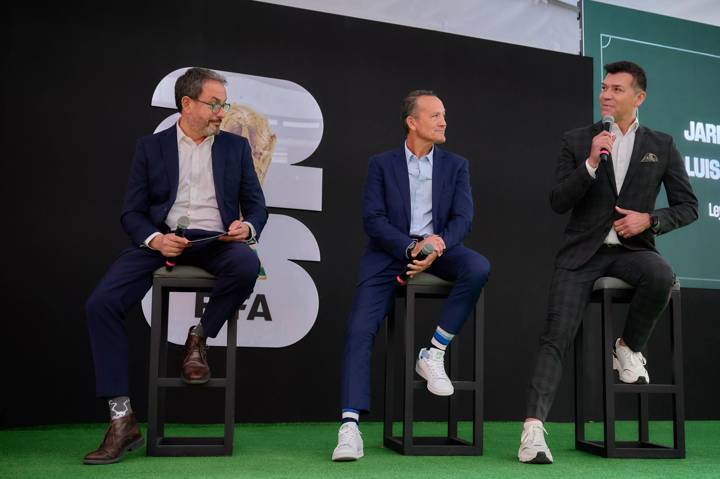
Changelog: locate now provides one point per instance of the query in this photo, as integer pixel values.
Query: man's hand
(602, 141)
(238, 231)
(434, 240)
(417, 266)
(632, 224)
(169, 245)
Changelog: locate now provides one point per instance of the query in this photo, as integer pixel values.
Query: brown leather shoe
(195, 369)
(122, 436)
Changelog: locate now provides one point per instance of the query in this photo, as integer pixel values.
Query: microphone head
(608, 120)
(183, 222)
(427, 249)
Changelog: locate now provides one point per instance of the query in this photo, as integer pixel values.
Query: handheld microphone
(607, 122)
(182, 225)
(426, 251)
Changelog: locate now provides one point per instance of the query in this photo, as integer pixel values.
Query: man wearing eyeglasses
(190, 170)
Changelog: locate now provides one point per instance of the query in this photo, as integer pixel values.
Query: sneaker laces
(633, 358)
(346, 435)
(637, 359)
(535, 434)
(437, 367)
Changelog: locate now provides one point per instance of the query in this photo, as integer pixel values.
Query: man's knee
(243, 264)
(660, 280)
(478, 270)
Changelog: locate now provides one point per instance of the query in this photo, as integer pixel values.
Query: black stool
(184, 278)
(427, 285)
(607, 291)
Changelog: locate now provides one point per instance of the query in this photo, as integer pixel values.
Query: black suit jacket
(655, 160)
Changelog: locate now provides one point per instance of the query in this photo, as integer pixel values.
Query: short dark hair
(638, 74)
(410, 102)
(191, 82)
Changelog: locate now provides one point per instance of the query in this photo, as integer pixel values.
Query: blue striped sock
(350, 415)
(441, 339)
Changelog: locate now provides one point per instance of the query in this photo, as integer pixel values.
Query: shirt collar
(409, 154)
(182, 136)
(633, 127)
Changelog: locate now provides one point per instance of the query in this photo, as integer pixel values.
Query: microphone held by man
(607, 122)
(426, 251)
(182, 226)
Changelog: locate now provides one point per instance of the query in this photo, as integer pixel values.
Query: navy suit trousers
(373, 299)
(130, 277)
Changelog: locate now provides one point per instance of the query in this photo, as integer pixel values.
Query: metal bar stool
(184, 278)
(607, 291)
(427, 285)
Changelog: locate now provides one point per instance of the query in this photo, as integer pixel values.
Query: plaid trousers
(570, 293)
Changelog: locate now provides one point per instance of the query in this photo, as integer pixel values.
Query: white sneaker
(629, 365)
(350, 443)
(533, 449)
(431, 367)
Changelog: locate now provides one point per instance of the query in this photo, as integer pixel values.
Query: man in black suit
(611, 232)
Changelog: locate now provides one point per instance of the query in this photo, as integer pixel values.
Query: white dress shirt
(196, 188)
(420, 176)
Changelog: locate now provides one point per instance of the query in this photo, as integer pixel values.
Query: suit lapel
(219, 153)
(437, 183)
(169, 148)
(636, 156)
(399, 163)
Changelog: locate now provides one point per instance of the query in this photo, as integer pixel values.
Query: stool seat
(184, 279)
(183, 272)
(427, 279)
(609, 282)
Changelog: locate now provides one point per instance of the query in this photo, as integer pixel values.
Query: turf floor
(303, 450)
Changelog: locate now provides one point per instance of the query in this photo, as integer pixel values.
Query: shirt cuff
(590, 169)
(150, 238)
(252, 231)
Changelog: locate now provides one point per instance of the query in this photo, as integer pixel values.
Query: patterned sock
(441, 339)
(350, 415)
(119, 407)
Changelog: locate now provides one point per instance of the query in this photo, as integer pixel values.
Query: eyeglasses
(216, 107)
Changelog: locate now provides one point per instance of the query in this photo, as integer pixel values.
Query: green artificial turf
(303, 450)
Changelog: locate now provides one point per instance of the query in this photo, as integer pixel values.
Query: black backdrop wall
(76, 93)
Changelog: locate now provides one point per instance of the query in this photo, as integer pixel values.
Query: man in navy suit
(415, 195)
(191, 170)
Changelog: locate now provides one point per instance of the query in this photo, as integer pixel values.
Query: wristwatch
(409, 249)
(655, 224)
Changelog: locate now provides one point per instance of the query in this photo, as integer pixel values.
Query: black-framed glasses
(216, 107)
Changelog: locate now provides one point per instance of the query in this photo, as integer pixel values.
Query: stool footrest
(433, 446)
(630, 449)
(646, 388)
(179, 383)
(191, 446)
(458, 385)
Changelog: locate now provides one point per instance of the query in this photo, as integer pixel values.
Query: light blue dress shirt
(420, 174)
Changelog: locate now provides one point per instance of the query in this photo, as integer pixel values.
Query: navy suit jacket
(153, 184)
(386, 207)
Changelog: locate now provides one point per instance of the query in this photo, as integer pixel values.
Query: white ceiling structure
(546, 24)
